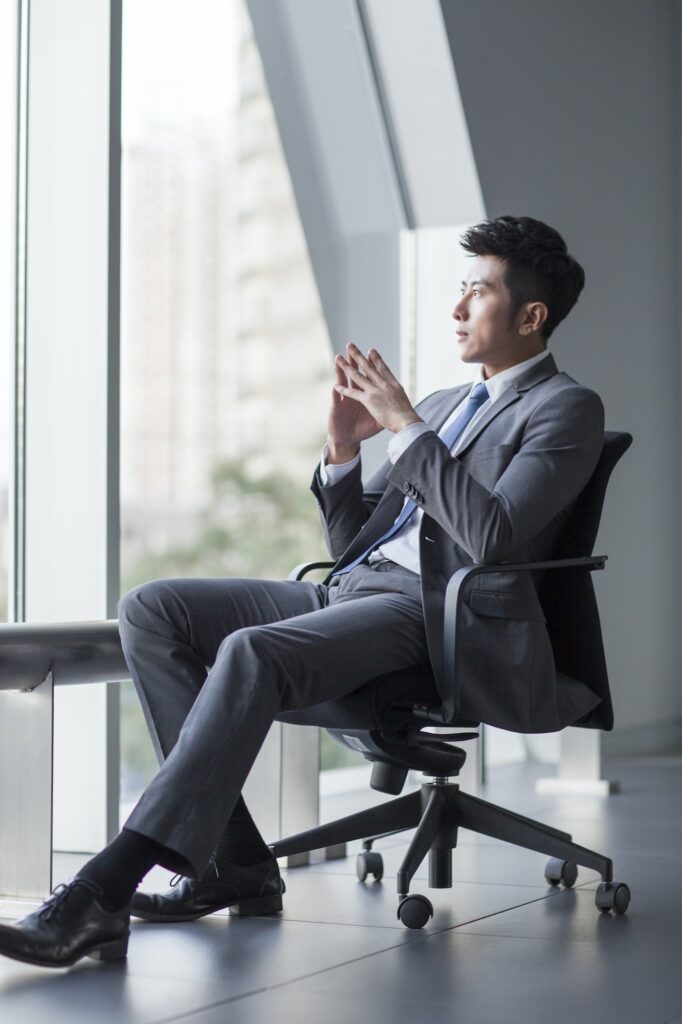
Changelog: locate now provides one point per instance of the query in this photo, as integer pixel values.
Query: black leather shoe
(71, 924)
(245, 890)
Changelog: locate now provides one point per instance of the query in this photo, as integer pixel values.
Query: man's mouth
(461, 334)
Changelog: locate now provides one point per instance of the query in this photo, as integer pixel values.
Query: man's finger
(343, 371)
(354, 393)
(381, 367)
(365, 365)
(340, 378)
(355, 375)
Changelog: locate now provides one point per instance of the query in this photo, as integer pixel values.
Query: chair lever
(433, 715)
(447, 737)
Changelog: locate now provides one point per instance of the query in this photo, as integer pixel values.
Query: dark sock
(241, 842)
(120, 867)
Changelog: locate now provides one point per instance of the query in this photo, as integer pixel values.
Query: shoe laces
(62, 891)
(193, 881)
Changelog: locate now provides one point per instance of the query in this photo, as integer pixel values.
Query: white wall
(572, 111)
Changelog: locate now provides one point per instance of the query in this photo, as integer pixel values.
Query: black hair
(538, 265)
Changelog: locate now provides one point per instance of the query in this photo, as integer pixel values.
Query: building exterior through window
(226, 364)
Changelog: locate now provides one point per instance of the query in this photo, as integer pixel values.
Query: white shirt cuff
(401, 441)
(332, 474)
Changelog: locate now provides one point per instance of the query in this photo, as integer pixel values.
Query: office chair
(385, 719)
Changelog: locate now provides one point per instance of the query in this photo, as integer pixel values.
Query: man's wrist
(337, 454)
(406, 422)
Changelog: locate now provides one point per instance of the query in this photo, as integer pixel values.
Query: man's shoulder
(562, 404)
(564, 387)
(544, 378)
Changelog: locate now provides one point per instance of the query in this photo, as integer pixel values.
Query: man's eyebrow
(481, 280)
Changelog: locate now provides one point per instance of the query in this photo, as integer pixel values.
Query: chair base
(437, 811)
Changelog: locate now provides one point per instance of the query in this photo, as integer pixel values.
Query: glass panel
(226, 362)
(8, 103)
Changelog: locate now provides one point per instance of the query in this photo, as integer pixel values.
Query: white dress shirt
(404, 547)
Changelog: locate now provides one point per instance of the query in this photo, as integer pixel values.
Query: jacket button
(406, 488)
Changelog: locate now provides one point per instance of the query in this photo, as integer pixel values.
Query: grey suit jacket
(504, 497)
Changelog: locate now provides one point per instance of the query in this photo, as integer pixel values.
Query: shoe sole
(107, 952)
(257, 905)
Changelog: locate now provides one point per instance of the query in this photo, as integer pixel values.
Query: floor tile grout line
(352, 924)
(341, 924)
(422, 936)
(645, 945)
(284, 984)
(456, 881)
(495, 913)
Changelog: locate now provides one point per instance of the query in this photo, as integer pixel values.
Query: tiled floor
(502, 946)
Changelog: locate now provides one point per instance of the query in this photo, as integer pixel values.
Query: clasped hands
(366, 398)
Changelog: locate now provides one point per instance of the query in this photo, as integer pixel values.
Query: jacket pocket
(505, 606)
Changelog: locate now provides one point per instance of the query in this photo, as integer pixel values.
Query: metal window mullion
(17, 504)
(113, 505)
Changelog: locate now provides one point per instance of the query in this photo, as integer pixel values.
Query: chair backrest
(570, 607)
(567, 596)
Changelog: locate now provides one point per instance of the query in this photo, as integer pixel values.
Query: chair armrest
(299, 571)
(454, 598)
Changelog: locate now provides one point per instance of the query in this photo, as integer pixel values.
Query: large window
(225, 359)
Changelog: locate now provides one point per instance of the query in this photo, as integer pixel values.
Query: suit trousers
(214, 661)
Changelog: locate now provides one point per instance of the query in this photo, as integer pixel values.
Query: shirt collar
(501, 381)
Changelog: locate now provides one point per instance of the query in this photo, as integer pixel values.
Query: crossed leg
(272, 646)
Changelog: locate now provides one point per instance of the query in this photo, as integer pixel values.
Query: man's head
(521, 285)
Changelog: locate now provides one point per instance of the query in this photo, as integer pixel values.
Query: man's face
(486, 330)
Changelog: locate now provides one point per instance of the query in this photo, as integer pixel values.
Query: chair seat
(386, 700)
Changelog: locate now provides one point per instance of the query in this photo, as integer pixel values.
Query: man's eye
(475, 291)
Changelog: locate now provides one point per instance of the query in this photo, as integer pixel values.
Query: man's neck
(488, 371)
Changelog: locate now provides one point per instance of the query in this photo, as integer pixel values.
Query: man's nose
(459, 312)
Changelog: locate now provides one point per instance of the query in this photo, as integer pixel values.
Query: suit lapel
(535, 375)
(449, 400)
(506, 399)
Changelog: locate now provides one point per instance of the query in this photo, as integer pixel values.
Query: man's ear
(533, 316)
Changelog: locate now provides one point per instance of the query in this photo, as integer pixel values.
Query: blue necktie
(477, 396)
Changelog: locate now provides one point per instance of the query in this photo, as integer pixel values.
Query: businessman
(480, 473)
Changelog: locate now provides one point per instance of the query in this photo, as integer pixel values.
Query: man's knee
(248, 641)
(253, 653)
(144, 602)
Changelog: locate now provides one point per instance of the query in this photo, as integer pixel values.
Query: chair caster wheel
(369, 863)
(613, 896)
(557, 870)
(414, 911)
